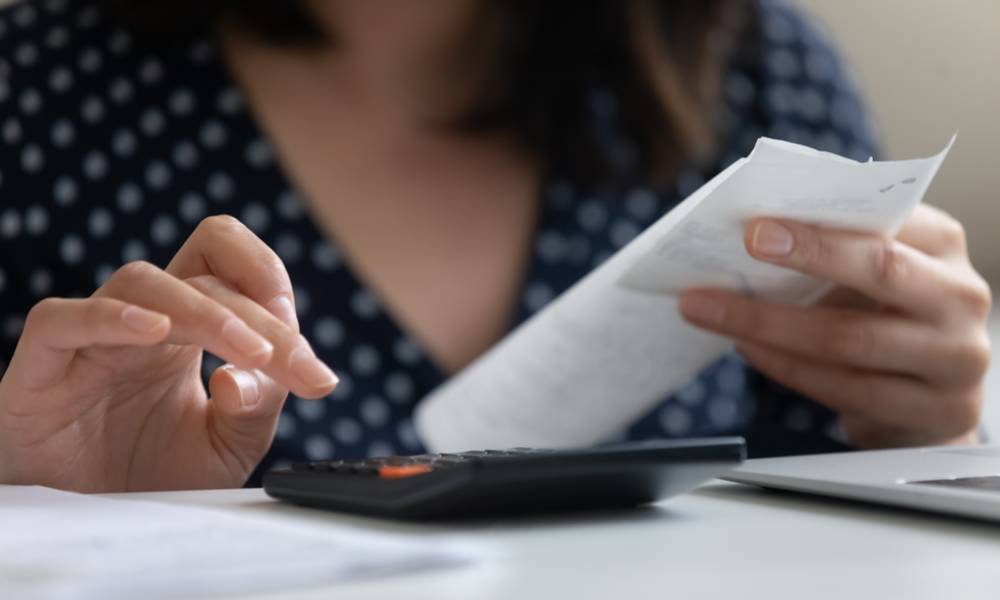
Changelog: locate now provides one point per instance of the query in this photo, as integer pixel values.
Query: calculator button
(450, 458)
(401, 471)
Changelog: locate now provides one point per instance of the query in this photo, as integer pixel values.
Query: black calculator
(487, 483)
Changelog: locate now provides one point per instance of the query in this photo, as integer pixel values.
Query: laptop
(957, 480)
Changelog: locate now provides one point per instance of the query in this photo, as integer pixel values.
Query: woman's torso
(115, 151)
(435, 220)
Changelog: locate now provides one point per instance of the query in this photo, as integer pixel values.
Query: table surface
(721, 541)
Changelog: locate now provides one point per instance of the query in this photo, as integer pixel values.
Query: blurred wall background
(930, 68)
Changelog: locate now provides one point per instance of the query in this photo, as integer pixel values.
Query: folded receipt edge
(612, 346)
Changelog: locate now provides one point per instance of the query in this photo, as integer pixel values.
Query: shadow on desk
(623, 516)
(857, 510)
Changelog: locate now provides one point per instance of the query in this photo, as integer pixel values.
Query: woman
(391, 153)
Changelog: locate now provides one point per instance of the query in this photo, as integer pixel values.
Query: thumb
(245, 407)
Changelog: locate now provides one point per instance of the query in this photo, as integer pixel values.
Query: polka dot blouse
(113, 152)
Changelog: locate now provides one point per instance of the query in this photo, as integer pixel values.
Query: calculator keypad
(398, 467)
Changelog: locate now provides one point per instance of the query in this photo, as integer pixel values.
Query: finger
(863, 433)
(867, 434)
(889, 399)
(934, 232)
(196, 319)
(842, 297)
(223, 247)
(883, 269)
(850, 338)
(245, 407)
(293, 363)
(55, 328)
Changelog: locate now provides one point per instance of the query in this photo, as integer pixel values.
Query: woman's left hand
(899, 349)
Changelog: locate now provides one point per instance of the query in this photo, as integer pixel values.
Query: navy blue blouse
(114, 152)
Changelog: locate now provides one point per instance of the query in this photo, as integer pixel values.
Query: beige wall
(929, 68)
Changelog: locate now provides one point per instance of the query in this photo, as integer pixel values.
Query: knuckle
(850, 338)
(206, 284)
(976, 297)
(275, 268)
(272, 276)
(220, 224)
(952, 231)
(888, 264)
(132, 272)
(41, 312)
(815, 249)
(975, 353)
(97, 310)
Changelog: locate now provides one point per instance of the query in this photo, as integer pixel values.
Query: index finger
(223, 247)
(881, 268)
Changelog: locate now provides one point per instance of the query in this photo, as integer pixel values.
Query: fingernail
(771, 239)
(247, 385)
(309, 369)
(703, 310)
(246, 341)
(143, 321)
(283, 308)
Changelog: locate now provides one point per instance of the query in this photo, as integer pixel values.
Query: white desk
(722, 541)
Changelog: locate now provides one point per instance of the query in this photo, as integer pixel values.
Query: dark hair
(657, 63)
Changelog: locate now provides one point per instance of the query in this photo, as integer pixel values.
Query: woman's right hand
(105, 393)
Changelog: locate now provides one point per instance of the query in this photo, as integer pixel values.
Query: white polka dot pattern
(328, 332)
(117, 150)
(309, 410)
(347, 431)
(318, 447)
(374, 411)
(675, 420)
(365, 360)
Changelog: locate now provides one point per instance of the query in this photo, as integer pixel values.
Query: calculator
(489, 483)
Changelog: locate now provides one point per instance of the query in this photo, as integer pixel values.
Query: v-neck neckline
(354, 281)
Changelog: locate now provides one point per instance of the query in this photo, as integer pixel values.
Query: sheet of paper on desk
(56, 545)
(611, 347)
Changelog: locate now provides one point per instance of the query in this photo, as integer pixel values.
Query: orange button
(398, 472)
